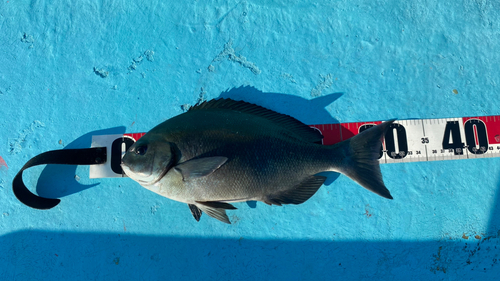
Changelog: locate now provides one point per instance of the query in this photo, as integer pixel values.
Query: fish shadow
(58, 181)
(311, 112)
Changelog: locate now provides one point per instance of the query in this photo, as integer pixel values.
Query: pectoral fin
(197, 168)
(195, 211)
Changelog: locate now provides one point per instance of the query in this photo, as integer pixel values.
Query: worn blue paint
(388, 59)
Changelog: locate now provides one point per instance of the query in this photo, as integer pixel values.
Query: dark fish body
(225, 151)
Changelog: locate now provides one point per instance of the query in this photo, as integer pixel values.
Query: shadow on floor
(39, 255)
(45, 255)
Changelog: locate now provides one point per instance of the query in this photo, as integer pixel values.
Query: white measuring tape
(408, 141)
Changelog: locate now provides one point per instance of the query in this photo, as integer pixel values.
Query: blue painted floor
(72, 70)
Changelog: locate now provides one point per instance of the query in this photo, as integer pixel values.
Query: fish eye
(141, 150)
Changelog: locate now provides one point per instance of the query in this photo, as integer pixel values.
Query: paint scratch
(16, 145)
(325, 82)
(439, 263)
(229, 53)
(3, 163)
(367, 211)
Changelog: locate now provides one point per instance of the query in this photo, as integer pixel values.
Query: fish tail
(359, 158)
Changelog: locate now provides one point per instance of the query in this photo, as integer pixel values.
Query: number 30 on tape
(408, 141)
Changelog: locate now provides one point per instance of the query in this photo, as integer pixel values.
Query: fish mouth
(129, 172)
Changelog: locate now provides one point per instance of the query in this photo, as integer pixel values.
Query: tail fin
(360, 158)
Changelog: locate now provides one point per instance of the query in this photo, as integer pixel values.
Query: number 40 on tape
(407, 141)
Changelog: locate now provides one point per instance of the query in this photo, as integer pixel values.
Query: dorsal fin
(300, 129)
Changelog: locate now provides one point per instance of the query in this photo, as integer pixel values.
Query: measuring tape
(407, 141)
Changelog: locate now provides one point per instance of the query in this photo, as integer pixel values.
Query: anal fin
(298, 194)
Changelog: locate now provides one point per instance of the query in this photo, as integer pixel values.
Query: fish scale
(252, 177)
(224, 151)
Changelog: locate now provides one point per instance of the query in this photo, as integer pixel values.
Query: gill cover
(147, 161)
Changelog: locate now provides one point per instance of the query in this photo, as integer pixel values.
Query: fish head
(147, 160)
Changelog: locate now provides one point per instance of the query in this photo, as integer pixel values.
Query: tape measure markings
(413, 140)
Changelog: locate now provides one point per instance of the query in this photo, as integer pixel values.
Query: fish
(224, 151)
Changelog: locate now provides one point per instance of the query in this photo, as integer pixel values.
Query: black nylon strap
(86, 156)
